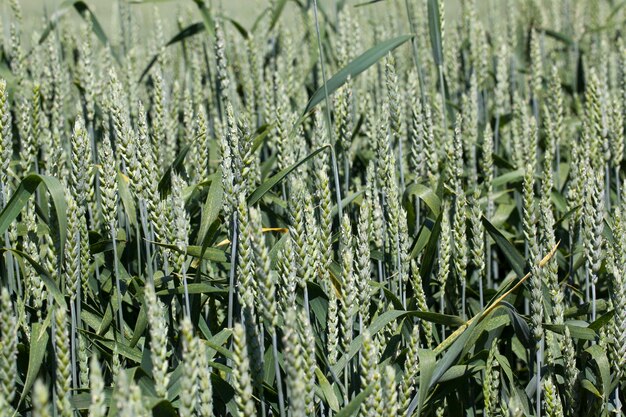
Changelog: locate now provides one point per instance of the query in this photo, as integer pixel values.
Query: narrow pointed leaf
(26, 189)
(38, 345)
(327, 390)
(354, 68)
(275, 179)
(353, 406)
(434, 26)
(211, 208)
(512, 254)
(426, 194)
(187, 32)
(176, 166)
(279, 6)
(81, 7)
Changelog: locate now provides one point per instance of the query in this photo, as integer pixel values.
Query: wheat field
(289, 208)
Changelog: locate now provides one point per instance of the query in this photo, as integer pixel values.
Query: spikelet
(85, 67)
(459, 241)
(197, 72)
(247, 285)
(482, 57)
(593, 226)
(204, 142)
(332, 344)
(299, 233)
(571, 372)
(230, 162)
(554, 407)
(188, 381)
(41, 401)
(369, 370)
(469, 130)
(536, 65)
(390, 392)
(8, 347)
(312, 246)
(6, 142)
(222, 65)
(181, 222)
(129, 398)
(77, 255)
(387, 178)
(444, 252)
(108, 185)
(171, 125)
(362, 262)
(253, 339)
(575, 195)
(252, 79)
(121, 123)
(324, 233)
(158, 341)
(553, 115)
(294, 365)
(26, 142)
(393, 94)
(97, 408)
(616, 131)
(417, 157)
(80, 159)
(307, 339)
(205, 388)
(430, 144)
(33, 284)
(30, 147)
(501, 92)
(487, 168)
(491, 382)
(159, 119)
(420, 300)
(319, 138)
(63, 381)
(288, 277)
(452, 62)
(546, 221)
(241, 374)
(348, 289)
(191, 139)
(377, 227)
(595, 122)
(264, 276)
(344, 123)
(619, 319)
(530, 234)
(188, 127)
(411, 369)
(73, 249)
(376, 399)
(16, 54)
(477, 247)
(250, 166)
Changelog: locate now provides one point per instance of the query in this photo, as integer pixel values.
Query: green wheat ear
(191, 369)
(62, 355)
(491, 382)
(8, 352)
(41, 401)
(226, 251)
(158, 341)
(241, 373)
(98, 406)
